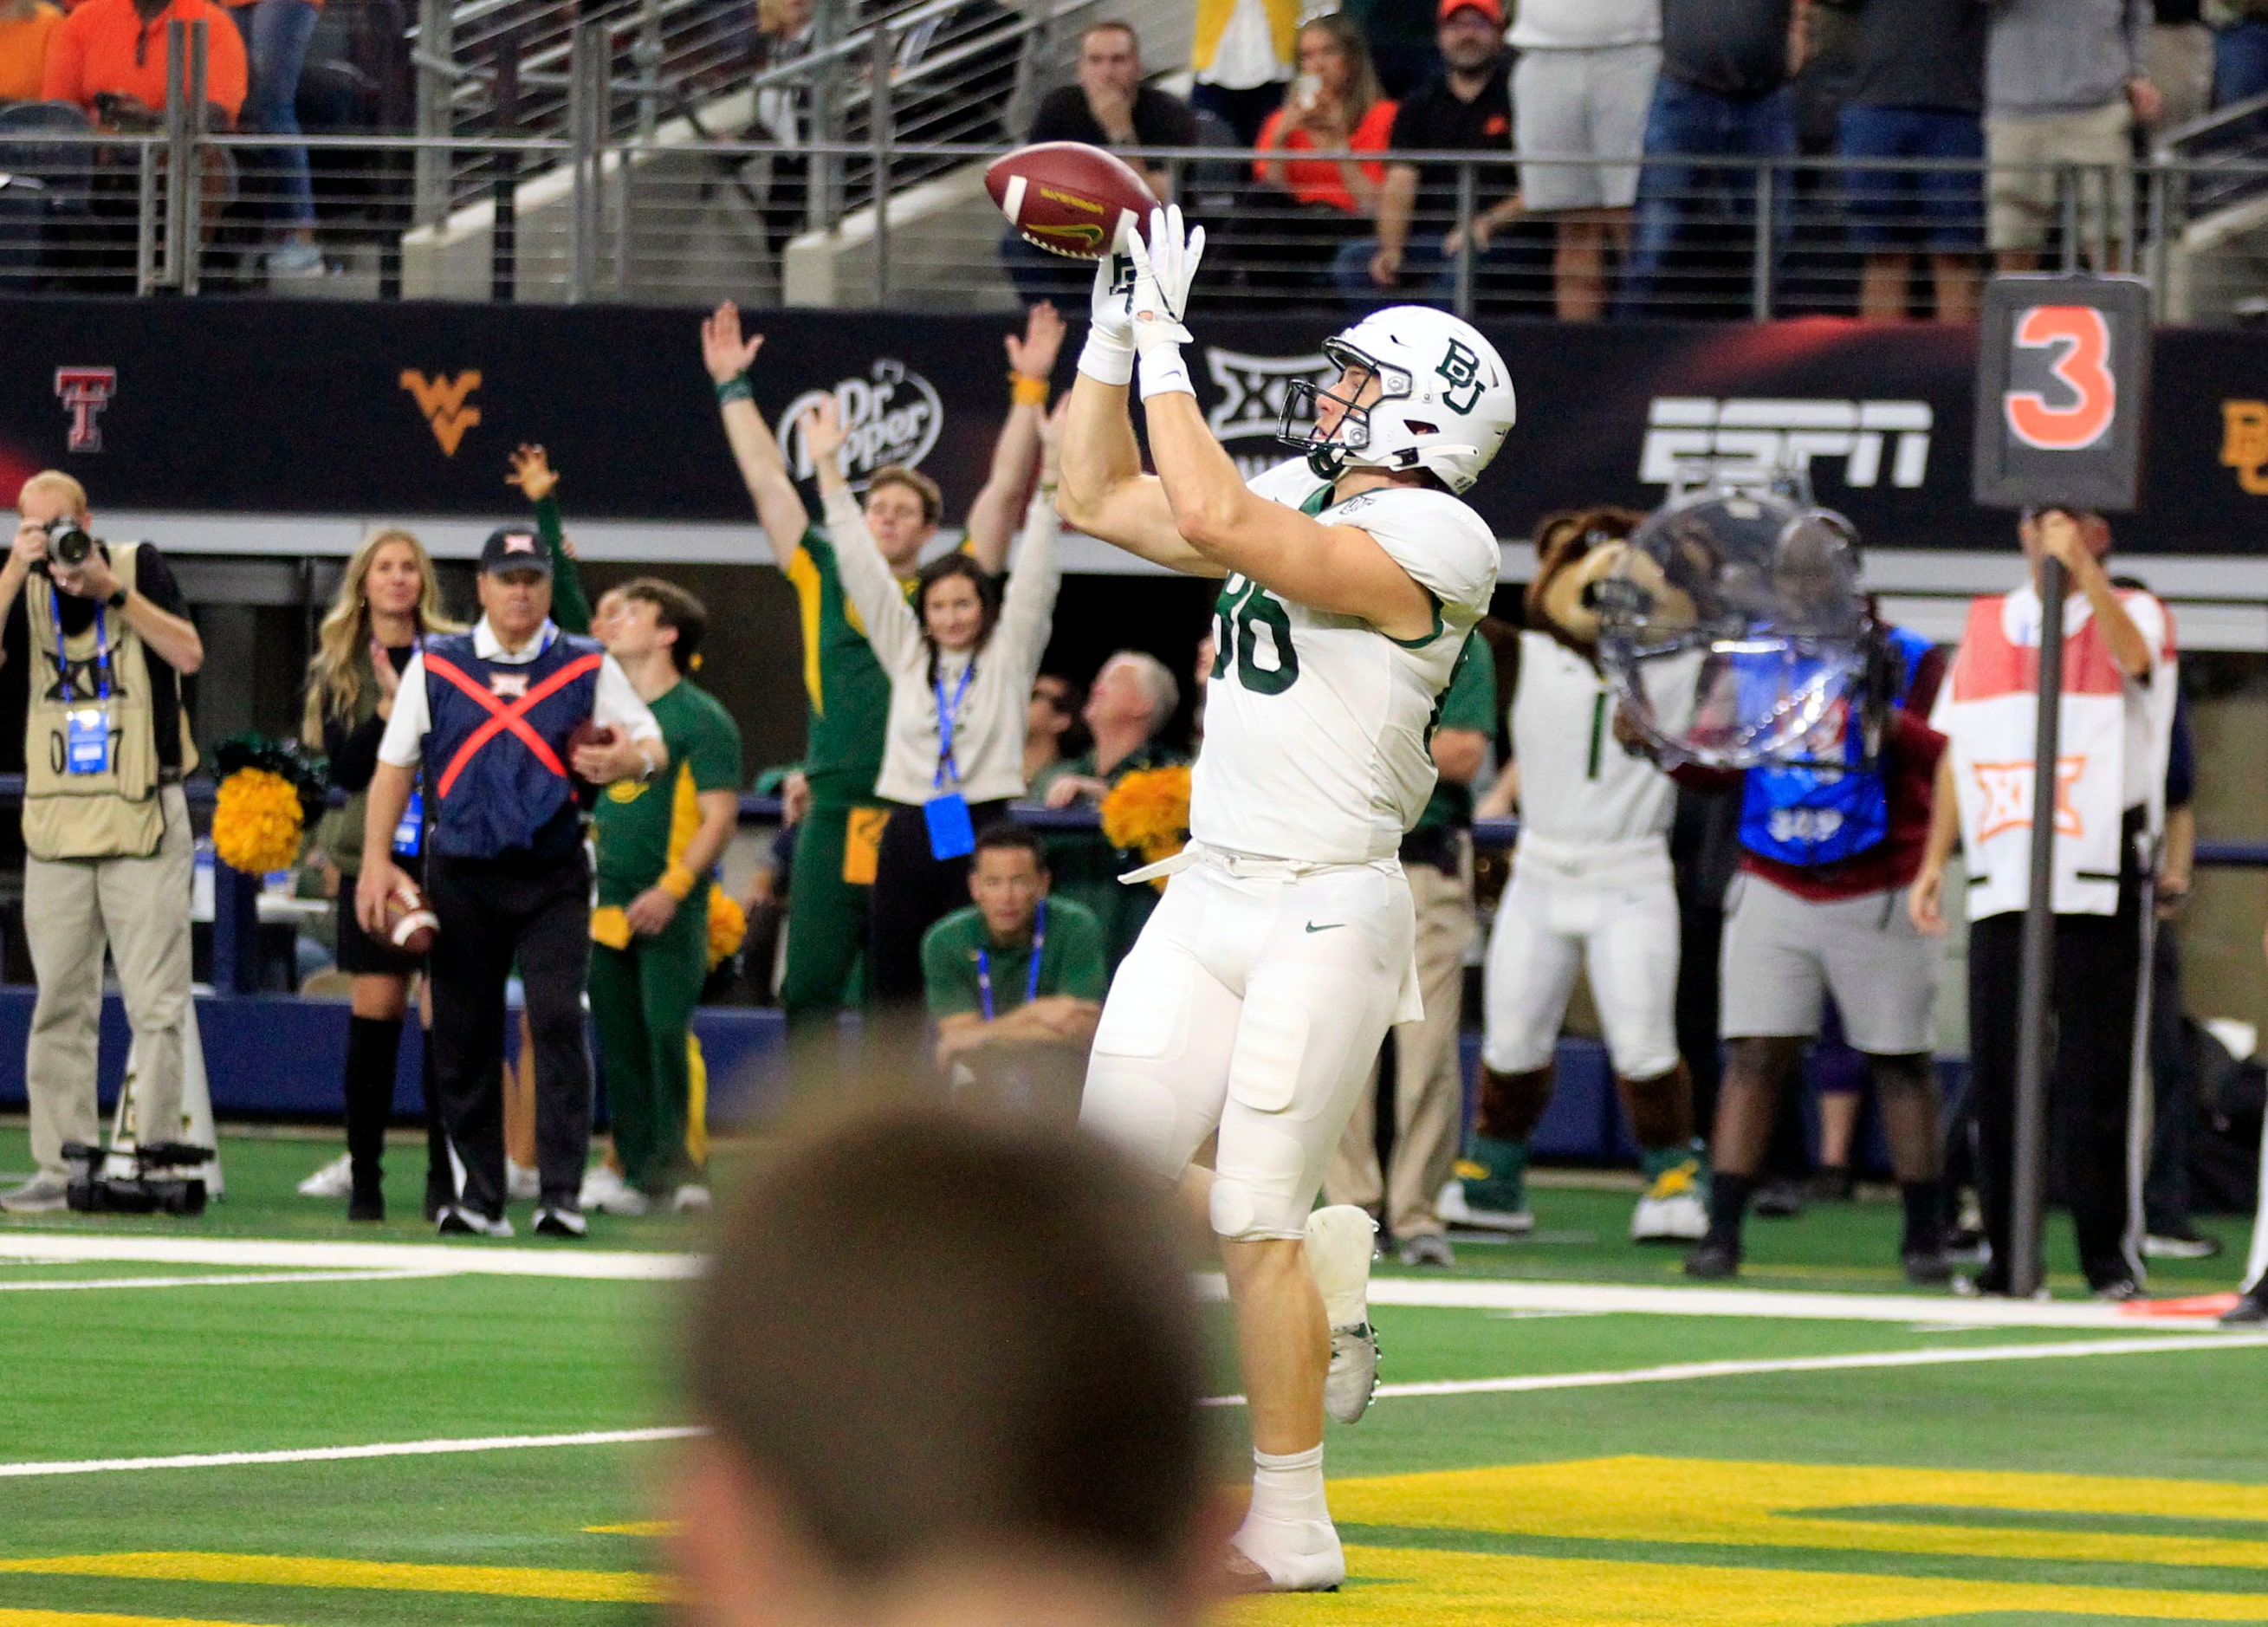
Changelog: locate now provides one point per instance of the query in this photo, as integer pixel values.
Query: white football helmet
(1445, 402)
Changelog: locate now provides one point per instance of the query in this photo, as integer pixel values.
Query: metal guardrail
(674, 216)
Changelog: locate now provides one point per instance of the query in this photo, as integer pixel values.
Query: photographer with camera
(106, 826)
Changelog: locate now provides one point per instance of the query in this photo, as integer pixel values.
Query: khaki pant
(2024, 199)
(140, 909)
(1429, 1081)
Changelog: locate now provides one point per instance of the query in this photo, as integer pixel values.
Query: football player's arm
(1339, 570)
(1016, 453)
(763, 470)
(1104, 491)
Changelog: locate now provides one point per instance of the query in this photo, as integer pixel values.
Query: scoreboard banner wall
(410, 410)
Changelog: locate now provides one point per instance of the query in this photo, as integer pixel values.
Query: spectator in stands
(784, 30)
(1583, 84)
(1243, 59)
(1015, 981)
(1919, 94)
(2181, 59)
(1049, 722)
(275, 37)
(1467, 108)
(26, 27)
(105, 824)
(960, 659)
(1109, 107)
(388, 600)
(1305, 207)
(950, 1372)
(1724, 90)
(109, 58)
(2239, 49)
(2067, 81)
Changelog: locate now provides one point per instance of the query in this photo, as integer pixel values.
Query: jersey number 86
(1243, 611)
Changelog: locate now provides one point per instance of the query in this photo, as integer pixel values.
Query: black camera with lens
(69, 543)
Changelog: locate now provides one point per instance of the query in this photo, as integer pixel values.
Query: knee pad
(1265, 1193)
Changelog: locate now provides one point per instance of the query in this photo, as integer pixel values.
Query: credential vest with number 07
(114, 813)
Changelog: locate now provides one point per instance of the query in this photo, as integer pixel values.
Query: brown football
(1067, 198)
(587, 732)
(410, 923)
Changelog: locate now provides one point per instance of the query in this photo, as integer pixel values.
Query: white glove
(1164, 267)
(1109, 355)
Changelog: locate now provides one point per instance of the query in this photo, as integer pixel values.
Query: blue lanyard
(945, 711)
(101, 650)
(1031, 976)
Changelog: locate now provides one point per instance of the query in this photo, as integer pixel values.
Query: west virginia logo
(442, 401)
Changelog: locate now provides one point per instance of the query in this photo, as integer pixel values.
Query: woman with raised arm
(960, 659)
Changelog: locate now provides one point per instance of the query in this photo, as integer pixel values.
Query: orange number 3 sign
(2083, 335)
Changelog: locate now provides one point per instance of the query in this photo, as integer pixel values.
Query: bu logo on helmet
(1463, 368)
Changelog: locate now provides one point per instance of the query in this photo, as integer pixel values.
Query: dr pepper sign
(2063, 384)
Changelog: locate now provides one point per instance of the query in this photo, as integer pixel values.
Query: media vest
(496, 776)
(1830, 807)
(117, 813)
(1988, 711)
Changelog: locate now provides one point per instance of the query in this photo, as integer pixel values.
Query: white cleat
(690, 1199)
(521, 1185)
(1672, 1211)
(1454, 1211)
(1340, 1243)
(605, 1192)
(1282, 1558)
(334, 1178)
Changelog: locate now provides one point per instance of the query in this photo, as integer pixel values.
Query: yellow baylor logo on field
(442, 401)
(1636, 1541)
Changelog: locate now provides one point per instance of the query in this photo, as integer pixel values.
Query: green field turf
(2076, 1488)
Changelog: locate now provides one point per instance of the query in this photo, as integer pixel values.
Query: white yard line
(439, 1258)
(217, 1280)
(333, 1455)
(1682, 1371)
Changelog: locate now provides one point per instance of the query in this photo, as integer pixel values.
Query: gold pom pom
(256, 822)
(728, 926)
(1149, 810)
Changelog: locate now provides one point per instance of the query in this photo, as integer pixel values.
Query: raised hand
(1164, 266)
(1034, 355)
(532, 473)
(822, 428)
(723, 351)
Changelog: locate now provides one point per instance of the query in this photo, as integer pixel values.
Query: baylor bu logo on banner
(443, 401)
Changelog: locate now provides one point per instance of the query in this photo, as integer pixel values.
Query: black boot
(373, 1044)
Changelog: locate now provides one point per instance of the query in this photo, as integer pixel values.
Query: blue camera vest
(1817, 813)
(496, 751)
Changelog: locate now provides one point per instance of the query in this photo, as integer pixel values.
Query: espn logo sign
(1767, 435)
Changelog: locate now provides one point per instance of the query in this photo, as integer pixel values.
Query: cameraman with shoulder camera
(106, 826)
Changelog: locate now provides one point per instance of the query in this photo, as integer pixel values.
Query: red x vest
(496, 748)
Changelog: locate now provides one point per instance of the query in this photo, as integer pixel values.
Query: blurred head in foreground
(950, 1371)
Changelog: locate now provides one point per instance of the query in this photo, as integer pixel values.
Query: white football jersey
(1317, 727)
(1576, 782)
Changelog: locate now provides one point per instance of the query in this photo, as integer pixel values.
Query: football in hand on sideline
(410, 923)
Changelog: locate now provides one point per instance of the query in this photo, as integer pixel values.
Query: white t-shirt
(1317, 726)
(1577, 785)
(1585, 24)
(615, 705)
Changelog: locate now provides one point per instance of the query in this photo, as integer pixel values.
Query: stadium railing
(680, 217)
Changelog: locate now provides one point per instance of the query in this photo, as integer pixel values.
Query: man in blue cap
(485, 728)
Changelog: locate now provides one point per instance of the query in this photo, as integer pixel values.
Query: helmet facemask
(1327, 454)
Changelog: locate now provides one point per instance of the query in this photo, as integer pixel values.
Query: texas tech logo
(1768, 435)
(891, 416)
(84, 392)
(443, 401)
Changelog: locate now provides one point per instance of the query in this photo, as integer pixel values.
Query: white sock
(1287, 1488)
(1337, 1247)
